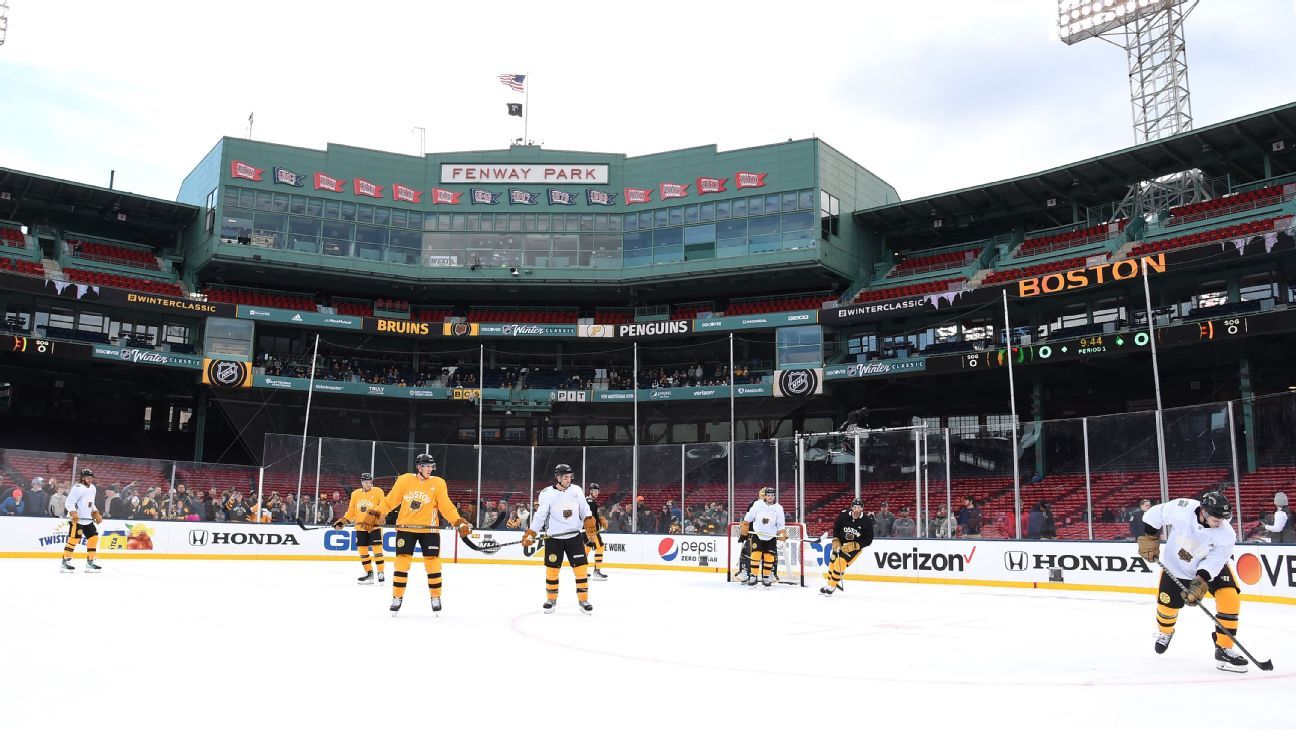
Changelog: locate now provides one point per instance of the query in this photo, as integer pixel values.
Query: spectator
(13, 504)
(132, 508)
(37, 498)
(1048, 526)
(236, 511)
(969, 518)
(113, 505)
(58, 500)
(1278, 526)
(943, 526)
(1033, 521)
(502, 516)
(1136, 520)
(883, 520)
(904, 527)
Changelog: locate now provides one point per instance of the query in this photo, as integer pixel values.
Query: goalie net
(790, 564)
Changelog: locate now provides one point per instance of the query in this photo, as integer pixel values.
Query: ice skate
(1229, 659)
(92, 567)
(1163, 642)
(66, 566)
(550, 605)
(436, 606)
(826, 591)
(382, 577)
(598, 575)
(395, 606)
(368, 579)
(741, 576)
(586, 608)
(751, 580)
(767, 580)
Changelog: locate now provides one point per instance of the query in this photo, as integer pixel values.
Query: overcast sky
(929, 95)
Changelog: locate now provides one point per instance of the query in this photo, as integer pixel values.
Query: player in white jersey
(83, 516)
(1197, 552)
(563, 510)
(766, 525)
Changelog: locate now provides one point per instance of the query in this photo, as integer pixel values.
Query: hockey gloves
(463, 527)
(529, 538)
(744, 528)
(98, 518)
(1196, 591)
(591, 529)
(1149, 547)
(339, 523)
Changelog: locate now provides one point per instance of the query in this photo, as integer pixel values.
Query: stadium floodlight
(1082, 19)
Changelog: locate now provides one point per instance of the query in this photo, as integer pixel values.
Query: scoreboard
(34, 347)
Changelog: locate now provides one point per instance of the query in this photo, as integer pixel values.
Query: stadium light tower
(1151, 32)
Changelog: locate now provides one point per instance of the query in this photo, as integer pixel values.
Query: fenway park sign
(452, 172)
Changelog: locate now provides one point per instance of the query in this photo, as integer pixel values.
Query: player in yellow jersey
(421, 498)
(368, 533)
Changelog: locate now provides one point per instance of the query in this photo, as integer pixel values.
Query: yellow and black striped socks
(401, 576)
(551, 583)
(582, 582)
(433, 565)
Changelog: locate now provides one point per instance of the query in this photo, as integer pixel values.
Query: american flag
(514, 81)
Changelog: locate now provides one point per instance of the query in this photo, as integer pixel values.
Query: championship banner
(798, 383)
(226, 373)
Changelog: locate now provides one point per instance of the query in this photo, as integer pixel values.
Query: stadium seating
(431, 313)
(917, 289)
(1070, 239)
(12, 237)
(118, 281)
(1248, 229)
(767, 306)
(1225, 204)
(934, 262)
(523, 316)
(613, 316)
(353, 308)
(691, 312)
(109, 253)
(1038, 269)
(270, 299)
(20, 265)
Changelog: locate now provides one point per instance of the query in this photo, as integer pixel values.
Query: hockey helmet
(562, 469)
(593, 487)
(424, 459)
(857, 502)
(86, 472)
(366, 476)
(768, 493)
(1216, 504)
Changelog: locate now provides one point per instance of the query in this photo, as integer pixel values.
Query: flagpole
(526, 105)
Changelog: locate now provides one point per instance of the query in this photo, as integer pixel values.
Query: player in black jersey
(595, 542)
(852, 532)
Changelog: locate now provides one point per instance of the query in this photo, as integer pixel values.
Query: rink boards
(1264, 571)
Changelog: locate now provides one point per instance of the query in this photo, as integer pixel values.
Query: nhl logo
(227, 373)
(460, 329)
(798, 383)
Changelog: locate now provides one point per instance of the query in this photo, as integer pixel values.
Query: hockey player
(421, 498)
(595, 541)
(563, 510)
(765, 521)
(368, 533)
(84, 517)
(852, 532)
(1198, 550)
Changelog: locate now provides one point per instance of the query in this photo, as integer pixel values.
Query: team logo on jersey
(1164, 598)
(567, 513)
(415, 505)
(400, 542)
(765, 520)
(1184, 555)
(553, 558)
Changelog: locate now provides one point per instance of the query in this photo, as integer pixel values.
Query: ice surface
(293, 643)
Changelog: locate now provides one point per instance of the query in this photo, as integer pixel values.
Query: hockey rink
(158, 642)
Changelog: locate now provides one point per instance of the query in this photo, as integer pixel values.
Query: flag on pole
(514, 109)
(515, 81)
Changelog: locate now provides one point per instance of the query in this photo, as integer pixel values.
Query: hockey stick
(312, 528)
(493, 548)
(1264, 665)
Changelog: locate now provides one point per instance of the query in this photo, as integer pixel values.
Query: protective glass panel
(938, 500)
(1054, 498)
(457, 464)
(1123, 467)
(754, 468)
(43, 478)
(290, 471)
(982, 482)
(890, 482)
(208, 487)
(150, 480)
(1266, 459)
(506, 477)
(612, 468)
(660, 494)
(706, 485)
